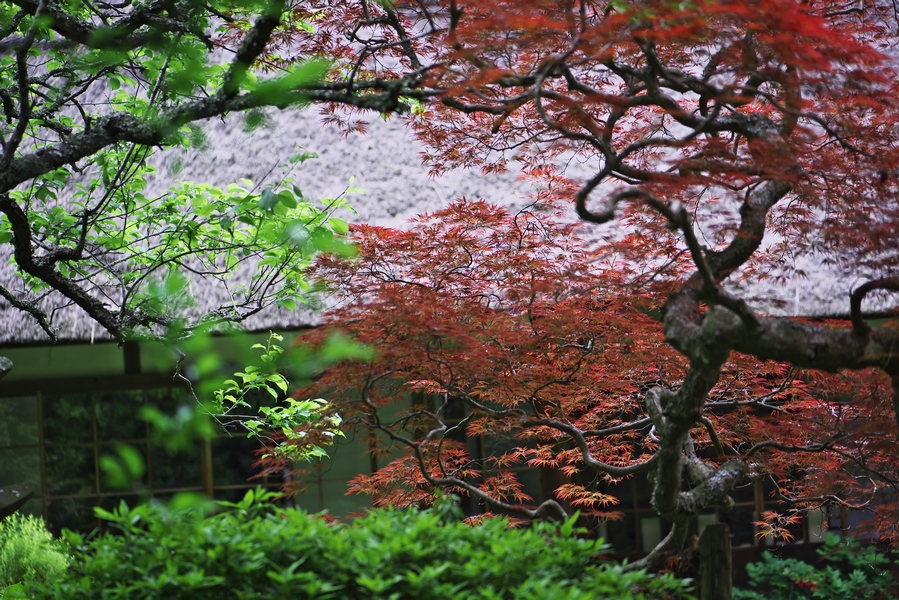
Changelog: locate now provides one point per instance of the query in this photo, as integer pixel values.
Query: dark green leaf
(287, 199)
(268, 200)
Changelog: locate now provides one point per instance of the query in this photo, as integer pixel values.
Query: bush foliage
(28, 552)
(256, 550)
(850, 572)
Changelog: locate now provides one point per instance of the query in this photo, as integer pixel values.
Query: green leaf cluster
(286, 418)
(141, 248)
(255, 550)
(112, 238)
(28, 552)
(254, 399)
(850, 572)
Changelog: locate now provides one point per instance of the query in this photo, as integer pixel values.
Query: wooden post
(715, 563)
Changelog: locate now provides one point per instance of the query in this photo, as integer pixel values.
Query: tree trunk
(715, 568)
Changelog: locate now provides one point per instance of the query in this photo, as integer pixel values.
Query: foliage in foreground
(28, 552)
(257, 550)
(851, 573)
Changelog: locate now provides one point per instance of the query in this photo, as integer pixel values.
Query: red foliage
(601, 354)
(512, 327)
(508, 314)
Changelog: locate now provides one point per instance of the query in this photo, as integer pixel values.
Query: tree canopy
(524, 344)
(726, 139)
(88, 92)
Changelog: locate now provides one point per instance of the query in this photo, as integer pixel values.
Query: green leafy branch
(284, 426)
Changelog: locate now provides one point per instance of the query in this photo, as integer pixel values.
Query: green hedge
(255, 550)
(847, 571)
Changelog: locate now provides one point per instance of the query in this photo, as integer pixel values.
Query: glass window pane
(70, 470)
(858, 519)
(309, 499)
(797, 530)
(622, 534)
(232, 461)
(167, 400)
(835, 519)
(643, 488)
(175, 470)
(744, 493)
(530, 481)
(498, 445)
(338, 503)
(455, 410)
(18, 421)
(623, 490)
(348, 458)
(33, 507)
(817, 531)
(740, 520)
(21, 465)
(117, 416)
(68, 419)
(650, 532)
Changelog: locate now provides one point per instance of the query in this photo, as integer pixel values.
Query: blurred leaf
(267, 200)
(125, 468)
(339, 226)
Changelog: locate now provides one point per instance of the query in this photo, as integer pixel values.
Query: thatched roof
(386, 164)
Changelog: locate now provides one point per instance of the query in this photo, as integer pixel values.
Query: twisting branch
(821, 447)
(12, 145)
(144, 24)
(549, 508)
(32, 309)
(859, 293)
(675, 213)
(678, 218)
(713, 435)
(576, 435)
(253, 45)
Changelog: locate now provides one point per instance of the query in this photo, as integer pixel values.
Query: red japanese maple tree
(725, 137)
(514, 328)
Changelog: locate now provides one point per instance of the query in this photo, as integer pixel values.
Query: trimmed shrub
(850, 572)
(255, 550)
(28, 552)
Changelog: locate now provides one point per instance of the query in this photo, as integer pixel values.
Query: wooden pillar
(206, 468)
(715, 563)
